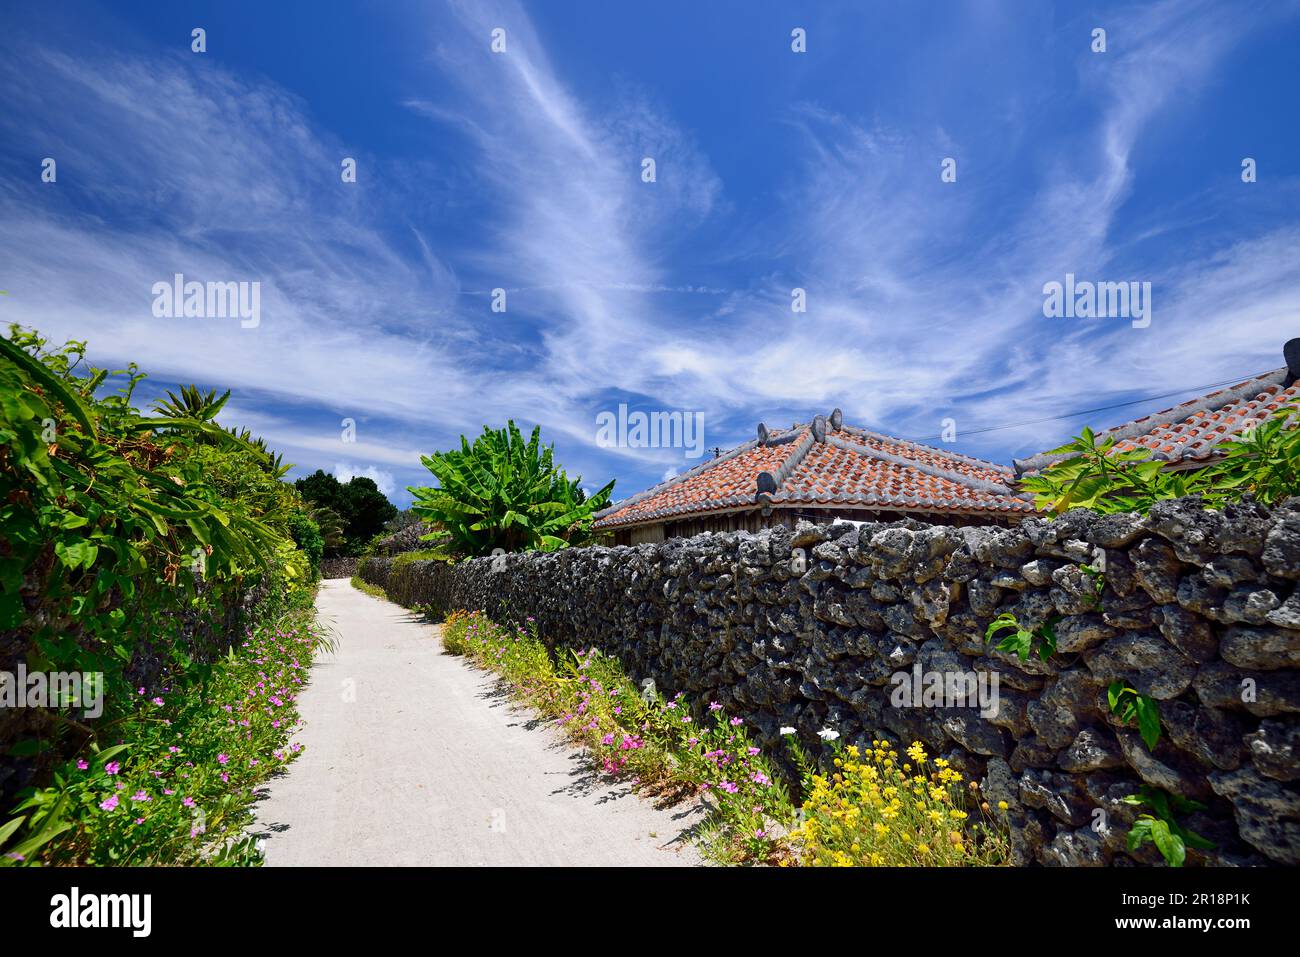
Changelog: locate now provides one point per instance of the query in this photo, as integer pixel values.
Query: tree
(330, 524)
(362, 507)
(503, 492)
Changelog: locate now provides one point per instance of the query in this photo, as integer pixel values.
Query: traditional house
(820, 471)
(1187, 436)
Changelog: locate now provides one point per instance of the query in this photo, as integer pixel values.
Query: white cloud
(345, 472)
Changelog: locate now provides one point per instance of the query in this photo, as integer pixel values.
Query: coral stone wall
(823, 625)
(338, 567)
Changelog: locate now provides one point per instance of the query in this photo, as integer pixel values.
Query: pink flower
(188, 802)
(82, 765)
(158, 701)
(141, 795)
(112, 768)
(108, 805)
(222, 758)
(736, 721)
(714, 706)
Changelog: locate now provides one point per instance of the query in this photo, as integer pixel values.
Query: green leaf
(77, 554)
(8, 828)
(1140, 832)
(1113, 692)
(1169, 845)
(1148, 715)
(27, 748)
(49, 381)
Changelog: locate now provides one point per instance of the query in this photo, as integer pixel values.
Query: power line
(1101, 408)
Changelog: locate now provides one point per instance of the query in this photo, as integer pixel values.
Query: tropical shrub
(504, 493)
(1263, 462)
(330, 524)
(307, 536)
(138, 549)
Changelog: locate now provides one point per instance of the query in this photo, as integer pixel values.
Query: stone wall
(1199, 611)
(338, 567)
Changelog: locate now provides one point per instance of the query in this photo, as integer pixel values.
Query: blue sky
(775, 170)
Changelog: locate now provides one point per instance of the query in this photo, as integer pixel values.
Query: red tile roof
(1190, 432)
(844, 468)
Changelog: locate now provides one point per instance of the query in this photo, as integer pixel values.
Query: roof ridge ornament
(837, 420)
(819, 428)
(762, 434)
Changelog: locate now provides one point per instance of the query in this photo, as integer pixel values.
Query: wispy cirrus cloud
(924, 298)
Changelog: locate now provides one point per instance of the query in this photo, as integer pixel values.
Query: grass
(373, 591)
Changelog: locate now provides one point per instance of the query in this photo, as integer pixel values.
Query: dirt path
(412, 758)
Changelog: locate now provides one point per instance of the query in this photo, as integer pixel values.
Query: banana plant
(504, 492)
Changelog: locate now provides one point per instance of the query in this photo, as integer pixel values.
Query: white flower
(826, 734)
(787, 730)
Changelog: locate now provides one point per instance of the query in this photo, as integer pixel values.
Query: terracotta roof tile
(1192, 430)
(851, 468)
